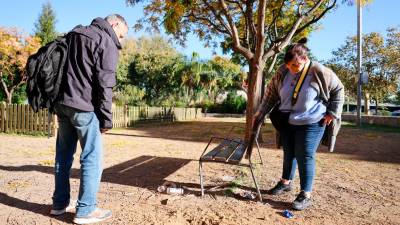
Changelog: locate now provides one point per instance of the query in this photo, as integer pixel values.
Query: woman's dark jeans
(300, 143)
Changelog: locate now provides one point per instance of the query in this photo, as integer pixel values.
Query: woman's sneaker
(302, 201)
(96, 216)
(280, 188)
(69, 208)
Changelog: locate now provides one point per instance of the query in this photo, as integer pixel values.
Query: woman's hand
(328, 119)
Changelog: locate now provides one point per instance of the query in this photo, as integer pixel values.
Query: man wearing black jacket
(84, 112)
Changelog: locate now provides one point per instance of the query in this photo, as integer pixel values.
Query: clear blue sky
(336, 26)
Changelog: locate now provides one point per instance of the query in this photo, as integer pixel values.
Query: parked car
(396, 113)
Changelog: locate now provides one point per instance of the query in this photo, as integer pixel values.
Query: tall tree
(229, 75)
(45, 27)
(257, 30)
(155, 68)
(125, 93)
(15, 49)
(380, 62)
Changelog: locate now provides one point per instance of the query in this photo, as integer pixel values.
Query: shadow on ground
(33, 207)
(150, 171)
(143, 172)
(354, 142)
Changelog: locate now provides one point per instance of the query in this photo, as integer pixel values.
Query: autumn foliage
(15, 48)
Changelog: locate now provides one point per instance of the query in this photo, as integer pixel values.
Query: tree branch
(234, 35)
(315, 19)
(281, 43)
(211, 23)
(251, 26)
(216, 14)
(273, 23)
(271, 67)
(4, 85)
(260, 30)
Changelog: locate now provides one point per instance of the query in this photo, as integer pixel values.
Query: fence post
(12, 118)
(3, 116)
(31, 116)
(125, 116)
(54, 125)
(8, 117)
(23, 112)
(40, 121)
(27, 118)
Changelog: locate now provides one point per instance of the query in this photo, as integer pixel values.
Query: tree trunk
(253, 98)
(9, 98)
(366, 103)
(5, 89)
(9, 94)
(264, 77)
(376, 105)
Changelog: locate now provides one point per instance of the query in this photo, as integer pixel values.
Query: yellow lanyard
(300, 82)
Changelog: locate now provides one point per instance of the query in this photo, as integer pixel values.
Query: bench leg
(255, 181)
(259, 154)
(201, 178)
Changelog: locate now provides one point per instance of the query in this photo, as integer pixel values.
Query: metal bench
(228, 151)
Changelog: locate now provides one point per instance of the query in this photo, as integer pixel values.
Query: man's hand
(103, 130)
(328, 119)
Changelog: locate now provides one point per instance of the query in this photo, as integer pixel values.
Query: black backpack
(45, 70)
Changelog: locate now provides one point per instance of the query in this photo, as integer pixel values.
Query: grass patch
(49, 162)
(16, 184)
(118, 144)
(233, 185)
(26, 134)
(372, 127)
(241, 174)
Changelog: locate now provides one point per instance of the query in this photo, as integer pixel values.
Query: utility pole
(359, 61)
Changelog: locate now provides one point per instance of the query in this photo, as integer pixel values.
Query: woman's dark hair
(295, 50)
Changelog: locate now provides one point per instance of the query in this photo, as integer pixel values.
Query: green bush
(207, 106)
(384, 113)
(232, 104)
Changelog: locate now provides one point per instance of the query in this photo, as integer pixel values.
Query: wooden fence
(127, 116)
(20, 118)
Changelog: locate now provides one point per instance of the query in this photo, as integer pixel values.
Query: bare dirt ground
(357, 184)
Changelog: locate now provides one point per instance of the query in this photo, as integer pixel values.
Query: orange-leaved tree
(15, 48)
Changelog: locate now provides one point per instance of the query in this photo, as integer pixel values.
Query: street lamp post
(359, 61)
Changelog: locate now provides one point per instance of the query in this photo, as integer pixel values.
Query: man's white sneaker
(96, 216)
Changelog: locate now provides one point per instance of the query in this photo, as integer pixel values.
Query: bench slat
(238, 154)
(227, 151)
(210, 155)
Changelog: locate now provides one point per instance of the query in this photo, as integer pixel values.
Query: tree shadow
(144, 171)
(352, 142)
(42, 209)
(193, 131)
(147, 172)
(220, 190)
(367, 145)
